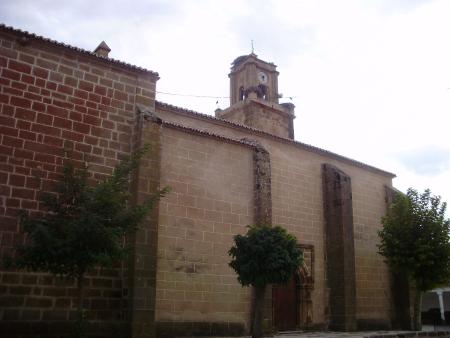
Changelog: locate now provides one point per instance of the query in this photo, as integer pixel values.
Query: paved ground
(352, 334)
(362, 334)
(319, 335)
(322, 334)
(333, 334)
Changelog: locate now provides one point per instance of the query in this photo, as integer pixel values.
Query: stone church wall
(298, 206)
(372, 275)
(297, 198)
(55, 100)
(211, 200)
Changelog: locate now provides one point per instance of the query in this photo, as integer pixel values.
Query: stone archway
(292, 306)
(285, 305)
(305, 304)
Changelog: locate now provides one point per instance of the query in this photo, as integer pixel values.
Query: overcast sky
(370, 79)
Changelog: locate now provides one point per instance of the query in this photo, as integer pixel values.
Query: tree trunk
(258, 310)
(78, 328)
(417, 322)
(80, 284)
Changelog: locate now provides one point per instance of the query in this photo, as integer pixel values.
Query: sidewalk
(438, 331)
(360, 334)
(427, 331)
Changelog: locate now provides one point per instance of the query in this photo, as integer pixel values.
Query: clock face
(262, 77)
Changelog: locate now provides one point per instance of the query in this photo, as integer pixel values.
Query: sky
(370, 79)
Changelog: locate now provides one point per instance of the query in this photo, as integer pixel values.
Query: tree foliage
(265, 255)
(415, 238)
(415, 241)
(84, 224)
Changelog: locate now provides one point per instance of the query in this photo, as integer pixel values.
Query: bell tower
(254, 98)
(252, 75)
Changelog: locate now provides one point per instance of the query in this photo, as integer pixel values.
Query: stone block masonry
(142, 268)
(57, 103)
(262, 185)
(297, 205)
(211, 201)
(340, 250)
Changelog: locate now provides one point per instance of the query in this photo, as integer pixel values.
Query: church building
(239, 167)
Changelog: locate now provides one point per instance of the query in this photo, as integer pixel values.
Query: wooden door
(285, 307)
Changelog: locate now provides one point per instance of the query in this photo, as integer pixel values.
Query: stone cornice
(304, 146)
(25, 37)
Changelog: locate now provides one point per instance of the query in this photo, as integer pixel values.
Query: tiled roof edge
(75, 49)
(207, 134)
(304, 146)
(243, 58)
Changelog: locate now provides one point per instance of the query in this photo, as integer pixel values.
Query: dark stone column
(262, 213)
(401, 315)
(340, 248)
(142, 269)
(262, 187)
(291, 129)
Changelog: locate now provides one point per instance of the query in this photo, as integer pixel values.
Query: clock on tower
(254, 97)
(252, 75)
(262, 77)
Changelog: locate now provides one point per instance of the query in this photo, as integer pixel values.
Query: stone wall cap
(25, 35)
(302, 145)
(201, 132)
(243, 58)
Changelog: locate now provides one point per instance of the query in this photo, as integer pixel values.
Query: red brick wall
(54, 98)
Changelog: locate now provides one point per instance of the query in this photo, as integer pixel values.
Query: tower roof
(243, 58)
(102, 49)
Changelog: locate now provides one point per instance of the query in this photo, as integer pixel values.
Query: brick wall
(56, 102)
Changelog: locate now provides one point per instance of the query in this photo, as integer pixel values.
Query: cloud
(85, 23)
(275, 37)
(427, 161)
(369, 78)
(389, 6)
(82, 10)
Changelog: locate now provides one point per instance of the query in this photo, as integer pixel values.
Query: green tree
(415, 241)
(83, 226)
(265, 255)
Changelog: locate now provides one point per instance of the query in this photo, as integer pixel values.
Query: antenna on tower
(252, 47)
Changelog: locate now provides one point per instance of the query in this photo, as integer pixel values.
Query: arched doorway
(285, 305)
(292, 302)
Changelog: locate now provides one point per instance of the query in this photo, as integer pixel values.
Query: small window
(241, 94)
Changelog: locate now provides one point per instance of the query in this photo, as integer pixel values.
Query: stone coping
(235, 125)
(361, 334)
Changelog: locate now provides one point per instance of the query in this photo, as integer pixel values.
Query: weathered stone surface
(340, 249)
(142, 271)
(57, 102)
(199, 329)
(54, 98)
(262, 184)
